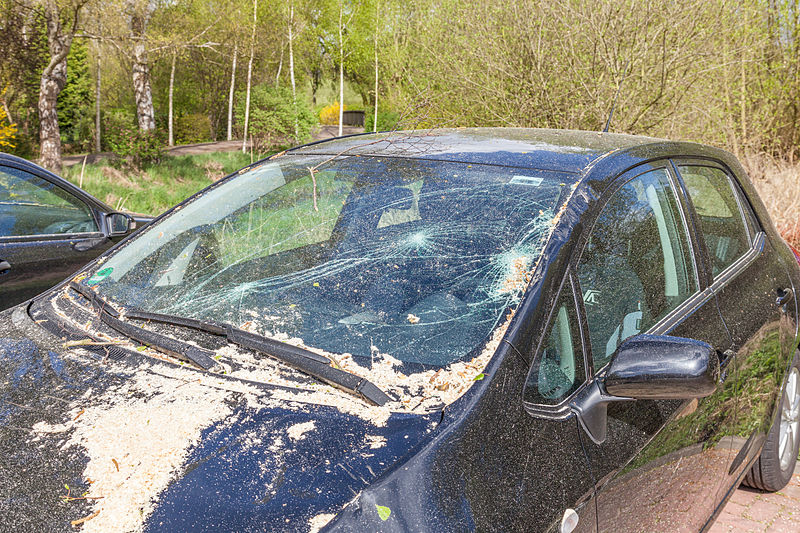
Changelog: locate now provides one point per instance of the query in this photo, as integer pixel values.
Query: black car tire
(768, 473)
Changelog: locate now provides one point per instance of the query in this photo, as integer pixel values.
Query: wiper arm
(178, 349)
(299, 358)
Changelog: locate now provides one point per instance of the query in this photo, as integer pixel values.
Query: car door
(660, 466)
(46, 233)
(752, 288)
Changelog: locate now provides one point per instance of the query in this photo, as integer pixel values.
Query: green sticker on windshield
(100, 275)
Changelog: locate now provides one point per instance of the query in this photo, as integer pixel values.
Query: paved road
(753, 511)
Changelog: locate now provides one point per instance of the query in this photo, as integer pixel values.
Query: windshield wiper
(299, 358)
(178, 349)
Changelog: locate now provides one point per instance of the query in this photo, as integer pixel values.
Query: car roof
(544, 149)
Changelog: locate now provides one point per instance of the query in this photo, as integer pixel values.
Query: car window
(637, 265)
(714, 200)
(559, 369)
(30, 205)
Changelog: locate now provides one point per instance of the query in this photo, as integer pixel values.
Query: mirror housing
(652, 367)
(118, 224)
(658, 367)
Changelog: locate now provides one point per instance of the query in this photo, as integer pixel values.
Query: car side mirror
(658, 367)
(652, 367)
(118, 224)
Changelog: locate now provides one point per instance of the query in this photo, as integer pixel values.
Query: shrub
(192, 128)
(387, 120)
(330, 114)
(133, 147)
(8, 131)
(272, 117)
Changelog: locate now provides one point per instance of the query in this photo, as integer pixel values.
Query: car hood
(114, 447)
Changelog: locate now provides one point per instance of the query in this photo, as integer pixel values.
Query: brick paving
(750, 510)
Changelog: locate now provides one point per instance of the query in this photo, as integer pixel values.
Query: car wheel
(775, 466)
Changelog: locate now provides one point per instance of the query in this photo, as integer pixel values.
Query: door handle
(784, 295)
(87, 244)
(5, 266)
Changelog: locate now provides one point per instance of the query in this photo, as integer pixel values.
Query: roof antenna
(619, 86)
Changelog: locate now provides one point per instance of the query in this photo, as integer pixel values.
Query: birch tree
(249, 76)
(62, 22)
(139, 13)
(230, 95)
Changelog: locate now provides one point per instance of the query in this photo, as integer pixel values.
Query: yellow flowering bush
(330, 114)
(7, 130)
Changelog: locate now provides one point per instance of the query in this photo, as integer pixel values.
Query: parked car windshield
(413, 258)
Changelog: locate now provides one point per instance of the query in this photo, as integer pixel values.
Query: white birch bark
(249, 77)
(97, 124)
(341, 69)
(230, 94)
(291, 70)
(377, 19)
(139, 19)
(171, 93)
(53, 79)
(280, 68)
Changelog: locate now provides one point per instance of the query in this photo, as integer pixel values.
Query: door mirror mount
(652, 367)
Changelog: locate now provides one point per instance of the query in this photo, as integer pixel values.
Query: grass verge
(156, 187)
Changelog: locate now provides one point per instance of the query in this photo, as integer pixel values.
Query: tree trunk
(249, 77)
(280, 67)
(291, 71)
(145, 114)
(53, 79)
(171, 93)
(377, 18)
(230, 94)
(341, 70)
(97, 138)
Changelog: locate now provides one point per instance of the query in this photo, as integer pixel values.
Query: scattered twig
(90, 342)
(84, 519)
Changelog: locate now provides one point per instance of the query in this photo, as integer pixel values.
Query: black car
(49, 228)
(472, 329)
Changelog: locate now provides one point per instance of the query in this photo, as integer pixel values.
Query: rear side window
(559, 369)
(637, 265)
(721, 222)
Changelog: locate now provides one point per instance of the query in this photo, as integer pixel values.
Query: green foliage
(76, 103)
(272, 117)
(192, 128)
(387, 120)
(133, 147)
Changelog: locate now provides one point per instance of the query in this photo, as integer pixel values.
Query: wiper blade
(299, 358)
(183, 351)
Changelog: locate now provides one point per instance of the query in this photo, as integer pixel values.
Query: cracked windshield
(413, 258)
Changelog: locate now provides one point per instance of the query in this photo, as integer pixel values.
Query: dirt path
(322, 132)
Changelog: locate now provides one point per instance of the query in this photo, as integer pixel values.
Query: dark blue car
(457, 330)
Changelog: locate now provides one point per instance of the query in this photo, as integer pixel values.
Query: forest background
(134, 76)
